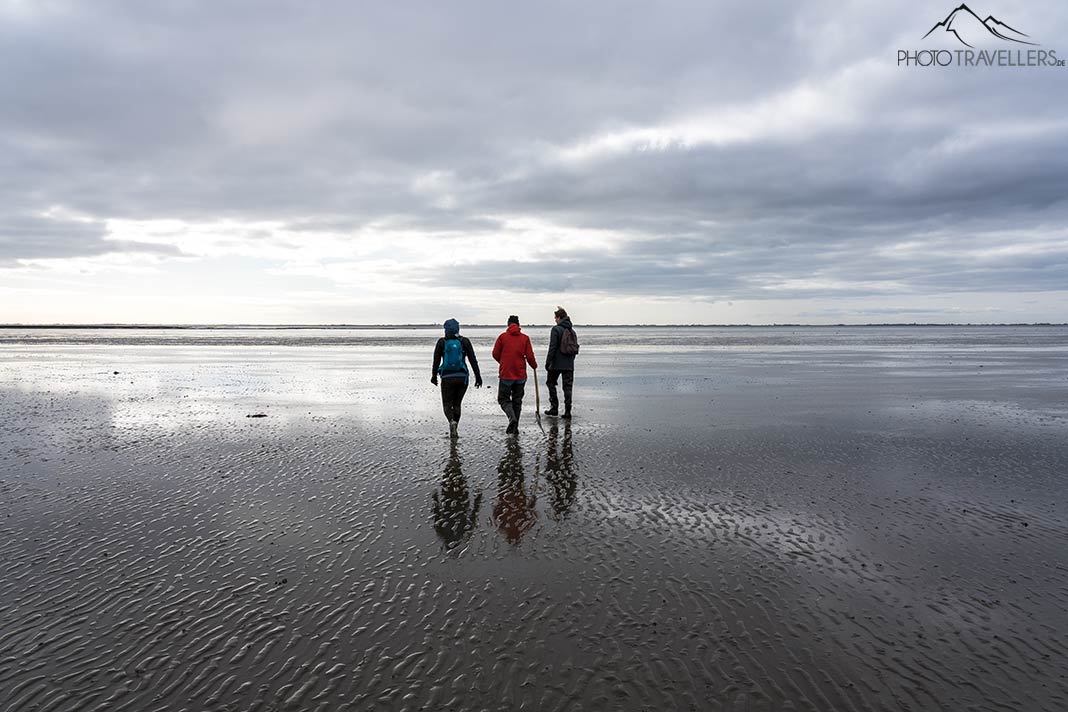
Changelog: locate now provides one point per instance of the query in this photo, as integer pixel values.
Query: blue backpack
(454, 357)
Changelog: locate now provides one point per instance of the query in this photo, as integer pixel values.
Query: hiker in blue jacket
(449, 355)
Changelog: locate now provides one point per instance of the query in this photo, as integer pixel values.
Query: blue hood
(452, 328)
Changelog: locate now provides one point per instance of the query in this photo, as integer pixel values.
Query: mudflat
(855, 518)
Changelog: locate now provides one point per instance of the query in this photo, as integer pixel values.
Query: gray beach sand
(737, 519)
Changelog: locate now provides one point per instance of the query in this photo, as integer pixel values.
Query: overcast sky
(350, 162)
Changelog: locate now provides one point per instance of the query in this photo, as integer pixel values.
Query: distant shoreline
(527, 326)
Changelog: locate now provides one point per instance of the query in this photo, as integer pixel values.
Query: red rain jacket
(513, 352)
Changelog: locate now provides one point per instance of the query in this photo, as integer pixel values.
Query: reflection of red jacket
(511, 351)
(514, 511)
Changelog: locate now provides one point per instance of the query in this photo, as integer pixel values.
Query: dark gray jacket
(557, 361)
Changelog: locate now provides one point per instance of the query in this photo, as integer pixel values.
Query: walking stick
(537, 402)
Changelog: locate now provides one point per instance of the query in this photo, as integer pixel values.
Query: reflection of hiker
(513, 352)
(513, 512)
(560, 471)
(454, 512)
(449, 355)
(560, 362)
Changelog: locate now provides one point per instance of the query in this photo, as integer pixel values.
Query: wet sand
(736, 519)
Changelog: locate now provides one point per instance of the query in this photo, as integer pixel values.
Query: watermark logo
(963, 26)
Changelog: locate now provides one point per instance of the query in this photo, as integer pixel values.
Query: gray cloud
(330, 118)
(35, 237)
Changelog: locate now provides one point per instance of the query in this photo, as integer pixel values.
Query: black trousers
(452, 395)
(510, 398)
(568, 378)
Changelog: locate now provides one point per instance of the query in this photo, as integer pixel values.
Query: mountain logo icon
(969, 30)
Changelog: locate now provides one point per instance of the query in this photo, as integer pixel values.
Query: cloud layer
(349, 159)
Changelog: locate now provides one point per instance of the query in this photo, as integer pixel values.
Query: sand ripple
(887, 560)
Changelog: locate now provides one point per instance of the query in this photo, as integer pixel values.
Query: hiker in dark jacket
(561, 366)
(449, 355)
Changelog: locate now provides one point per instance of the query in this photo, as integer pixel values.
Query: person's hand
(478, 383)
(434, 380)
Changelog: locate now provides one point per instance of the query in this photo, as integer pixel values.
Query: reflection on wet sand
(454, 510)
(560, 471)
(514, 512)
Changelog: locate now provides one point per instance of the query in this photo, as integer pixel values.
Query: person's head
(452, 327)
(513, 319)
(560, 313)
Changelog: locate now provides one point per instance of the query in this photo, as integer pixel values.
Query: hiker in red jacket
(513, 352)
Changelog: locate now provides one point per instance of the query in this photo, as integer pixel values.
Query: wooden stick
(537, 401)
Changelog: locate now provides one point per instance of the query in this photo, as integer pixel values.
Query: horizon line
(419, 325)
